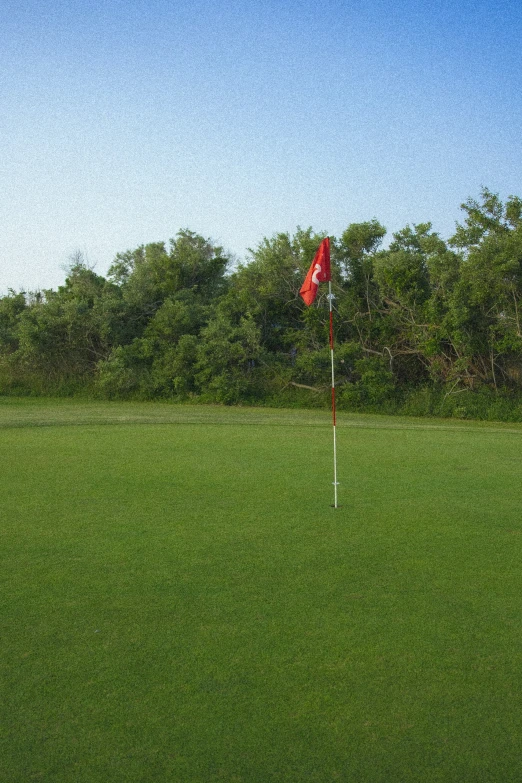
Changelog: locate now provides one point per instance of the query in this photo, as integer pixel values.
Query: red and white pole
(335, 482)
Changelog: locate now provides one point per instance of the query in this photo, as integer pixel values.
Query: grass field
(179, 601)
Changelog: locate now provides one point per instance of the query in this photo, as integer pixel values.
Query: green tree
(169, 296)
(151, 273)
(11, 308)
(64, 333)
(226, 359)
(486, 303)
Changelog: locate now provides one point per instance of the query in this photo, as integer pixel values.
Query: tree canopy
(418, 319)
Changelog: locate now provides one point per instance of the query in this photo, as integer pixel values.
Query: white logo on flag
(317, 271)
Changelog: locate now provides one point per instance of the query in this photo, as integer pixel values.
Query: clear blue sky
(123, 121)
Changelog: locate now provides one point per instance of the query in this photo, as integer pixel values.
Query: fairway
(180, 602)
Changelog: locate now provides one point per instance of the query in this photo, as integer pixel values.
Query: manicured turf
(179, 601)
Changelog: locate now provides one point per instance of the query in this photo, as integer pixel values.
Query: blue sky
(124, 121)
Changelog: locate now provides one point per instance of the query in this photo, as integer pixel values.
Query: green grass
(179, 601)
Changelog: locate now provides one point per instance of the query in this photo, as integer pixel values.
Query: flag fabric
(319, 272)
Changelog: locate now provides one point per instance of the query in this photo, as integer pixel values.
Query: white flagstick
(308, 291)
(335, 482)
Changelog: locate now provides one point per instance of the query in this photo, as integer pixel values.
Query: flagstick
(335, 482)
(320, 272)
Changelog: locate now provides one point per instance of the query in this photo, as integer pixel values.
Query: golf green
(180, 602)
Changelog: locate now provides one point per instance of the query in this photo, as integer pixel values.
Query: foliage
(421, 318)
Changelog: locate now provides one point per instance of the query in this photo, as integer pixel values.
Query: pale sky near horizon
(124, 121)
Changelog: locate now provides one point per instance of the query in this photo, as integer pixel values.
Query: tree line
(422, 326)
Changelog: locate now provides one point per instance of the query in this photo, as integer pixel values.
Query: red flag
(319, 272)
